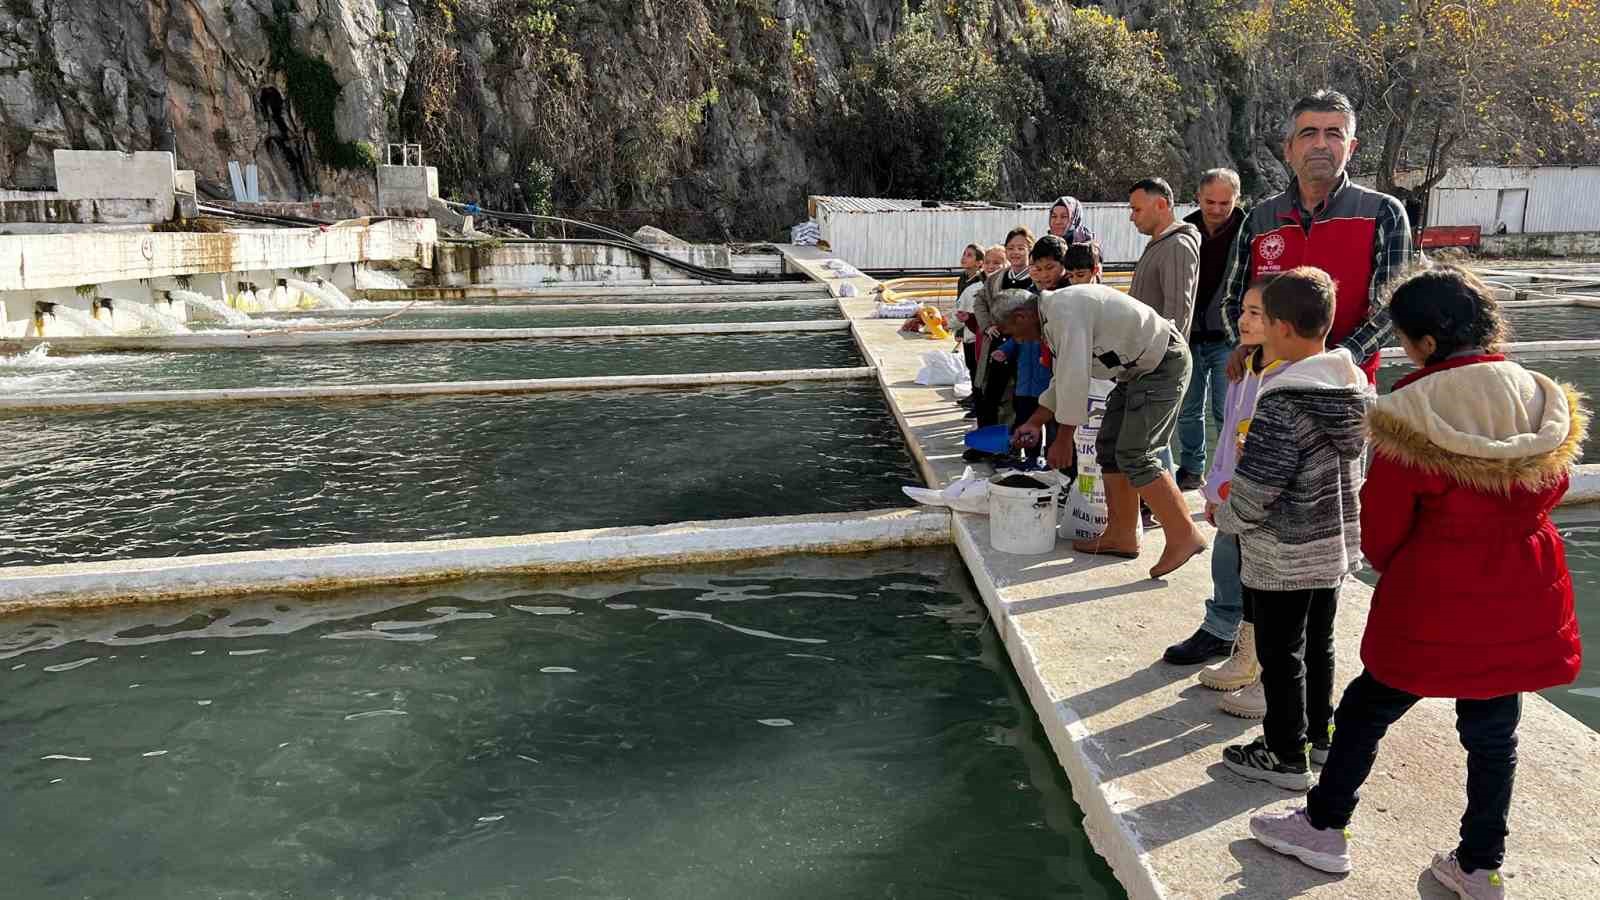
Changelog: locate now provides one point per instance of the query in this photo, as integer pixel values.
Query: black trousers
(969, 352)
(1488, 729)
(1294, 644)
(995, 382)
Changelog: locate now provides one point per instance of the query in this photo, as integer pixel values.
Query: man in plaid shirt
(1359, 236)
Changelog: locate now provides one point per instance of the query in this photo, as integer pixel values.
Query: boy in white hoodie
(1294, 504)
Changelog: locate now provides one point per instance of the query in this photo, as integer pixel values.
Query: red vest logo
(1271, 247)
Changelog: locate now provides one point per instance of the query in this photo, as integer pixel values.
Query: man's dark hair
(1049, 247)
(1304, 298)
(1081, 256)
(1155, 187)
(1451, 305)
(1325, 101)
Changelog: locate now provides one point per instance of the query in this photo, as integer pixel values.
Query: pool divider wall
(340, 566)
(121, 399)
(252, 340)
(433, 308)
(1517, 347)
(606, 290)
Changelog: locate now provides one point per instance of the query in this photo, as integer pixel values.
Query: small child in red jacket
(1474, 601)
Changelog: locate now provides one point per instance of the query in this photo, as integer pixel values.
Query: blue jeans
(1225, 607)
(1210, 377)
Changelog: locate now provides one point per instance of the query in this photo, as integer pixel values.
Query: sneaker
(1255, 762)
(1483, 884)
(1319, 748)
(1200, 647)
(1292, 834)
(1248, 702)
(1189, 481)
(1239, 669)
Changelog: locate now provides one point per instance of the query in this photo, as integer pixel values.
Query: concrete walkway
(1141, 741)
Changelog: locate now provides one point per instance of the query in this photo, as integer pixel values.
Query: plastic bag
(941, 367)
(969, 493)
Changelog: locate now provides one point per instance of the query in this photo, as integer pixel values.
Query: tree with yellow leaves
(1438, 82)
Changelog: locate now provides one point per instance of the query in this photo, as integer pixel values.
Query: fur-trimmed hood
(1490, 425)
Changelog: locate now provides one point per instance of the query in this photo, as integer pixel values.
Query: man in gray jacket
(1169, 269)
(1095, 331)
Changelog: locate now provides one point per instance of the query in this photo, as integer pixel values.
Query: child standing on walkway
(1227, 616)
(970, 279)
(1474, 600)
(1293, 505)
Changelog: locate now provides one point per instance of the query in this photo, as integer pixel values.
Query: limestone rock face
(207, 79)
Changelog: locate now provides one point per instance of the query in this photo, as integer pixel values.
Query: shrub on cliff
(925, 116)
(1105, 119)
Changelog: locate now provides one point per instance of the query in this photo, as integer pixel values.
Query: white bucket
(1022, 520)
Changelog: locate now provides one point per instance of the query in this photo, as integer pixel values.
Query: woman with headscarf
(1066, 222)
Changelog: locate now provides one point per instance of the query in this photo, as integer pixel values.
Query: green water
(100, 485)
(1553, 323)
(1582, 699)
(1582, 371)
(811, 727)
(702, 313)
(430, 361)
(1548, 323)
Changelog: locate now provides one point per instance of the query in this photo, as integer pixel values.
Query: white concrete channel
(434, 307)
(341, 566)
(253, 340)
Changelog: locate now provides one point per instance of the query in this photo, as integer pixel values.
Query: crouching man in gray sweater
(1095, 331)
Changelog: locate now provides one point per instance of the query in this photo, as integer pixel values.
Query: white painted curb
(434, 307)
(426, 389)
(349, 565)
(250, 340)
(1104, 815)
(1519, 347)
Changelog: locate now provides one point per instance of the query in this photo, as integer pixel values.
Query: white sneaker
(1237, 670)
(1248, 702)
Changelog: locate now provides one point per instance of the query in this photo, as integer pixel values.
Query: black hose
(613, 238)
(285, 221)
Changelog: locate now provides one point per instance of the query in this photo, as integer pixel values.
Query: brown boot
(1121, 537)
(1183, 539)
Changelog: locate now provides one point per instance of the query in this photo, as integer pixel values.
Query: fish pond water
(806, 727)
(96, 485)
(37, 372)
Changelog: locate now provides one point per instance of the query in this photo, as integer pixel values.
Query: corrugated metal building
(878, 233)
(1529, 199)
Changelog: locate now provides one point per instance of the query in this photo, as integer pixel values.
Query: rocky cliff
(705, 104)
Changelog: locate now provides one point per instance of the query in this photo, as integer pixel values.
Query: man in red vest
(1357, 235)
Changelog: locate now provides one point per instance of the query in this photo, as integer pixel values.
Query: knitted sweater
(1294, 501)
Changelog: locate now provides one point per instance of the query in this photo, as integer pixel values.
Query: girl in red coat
(1474, 601)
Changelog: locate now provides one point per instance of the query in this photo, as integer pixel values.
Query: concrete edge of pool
(256, 340)
(119, 399)
(1140, 741)
(341, 566)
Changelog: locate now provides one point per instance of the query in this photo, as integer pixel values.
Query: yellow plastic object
(933, 322)
(902, 296)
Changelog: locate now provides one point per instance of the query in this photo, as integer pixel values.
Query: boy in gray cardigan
(1294, 503)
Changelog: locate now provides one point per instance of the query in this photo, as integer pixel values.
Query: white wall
(916, 238)
(1559, 198)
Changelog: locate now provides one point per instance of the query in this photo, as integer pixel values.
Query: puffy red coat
(1474, 598)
